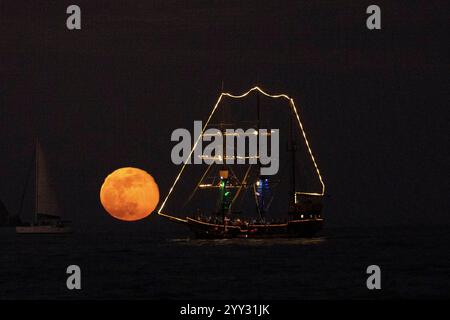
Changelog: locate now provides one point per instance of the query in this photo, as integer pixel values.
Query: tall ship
(233, 199)
(46, 216)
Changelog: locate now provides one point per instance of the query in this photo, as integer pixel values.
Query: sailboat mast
(27, 179)
(36, 189)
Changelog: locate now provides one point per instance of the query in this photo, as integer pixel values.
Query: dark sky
(374, 103)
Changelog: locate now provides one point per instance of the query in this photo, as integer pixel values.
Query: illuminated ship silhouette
(236, 201)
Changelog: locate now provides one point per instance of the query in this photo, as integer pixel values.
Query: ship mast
(293, 149)
(36, 189)
(28, 177)
(223, 172)
(259, 203)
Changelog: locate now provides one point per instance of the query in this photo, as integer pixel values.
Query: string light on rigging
(216, 105)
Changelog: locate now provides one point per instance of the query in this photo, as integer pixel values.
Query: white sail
(45, 196)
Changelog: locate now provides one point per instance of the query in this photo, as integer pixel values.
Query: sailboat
(230, 217)
(46, 217)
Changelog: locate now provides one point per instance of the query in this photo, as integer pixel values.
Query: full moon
(129, 194)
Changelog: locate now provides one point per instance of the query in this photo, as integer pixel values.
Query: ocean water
(414, 263)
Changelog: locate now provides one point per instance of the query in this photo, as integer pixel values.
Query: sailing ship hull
(43, 230)
(305, 228)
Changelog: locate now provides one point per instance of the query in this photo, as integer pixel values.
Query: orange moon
(129, 194)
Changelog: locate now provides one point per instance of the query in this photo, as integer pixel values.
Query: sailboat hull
(43, 230)
(305, 228)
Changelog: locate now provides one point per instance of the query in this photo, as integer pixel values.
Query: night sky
(374, 103)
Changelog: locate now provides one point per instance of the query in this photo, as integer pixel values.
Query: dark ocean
(136, 264)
